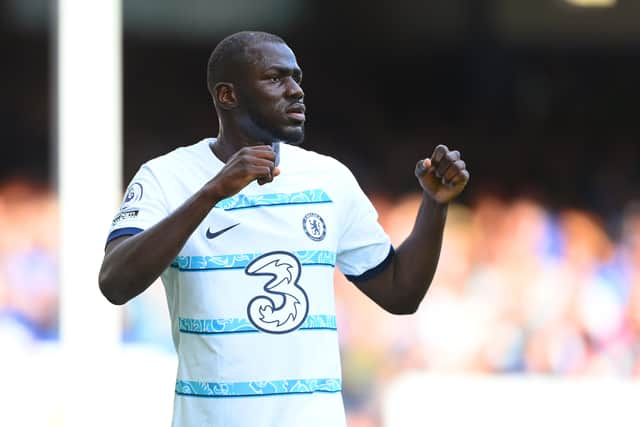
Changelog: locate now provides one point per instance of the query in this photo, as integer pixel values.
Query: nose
(294, 90)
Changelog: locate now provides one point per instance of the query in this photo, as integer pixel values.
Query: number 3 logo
(265, 314)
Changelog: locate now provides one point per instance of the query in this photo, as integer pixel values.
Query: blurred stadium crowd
(28, 264)
(519, 289)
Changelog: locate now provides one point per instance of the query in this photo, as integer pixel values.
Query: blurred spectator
(28, 271)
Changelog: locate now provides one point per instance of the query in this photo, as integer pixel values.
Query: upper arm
(386, 291)
(112, 244)
(377, 283)
(143, 206)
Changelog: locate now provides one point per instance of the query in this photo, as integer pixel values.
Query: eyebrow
(295, 72)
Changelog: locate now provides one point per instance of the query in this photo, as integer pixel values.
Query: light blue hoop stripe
(223, 262)
(257, 388)
(234, 326)
(241, 201)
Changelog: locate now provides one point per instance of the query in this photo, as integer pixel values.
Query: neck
(228, 143)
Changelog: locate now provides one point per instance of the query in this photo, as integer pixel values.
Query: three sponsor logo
(284, 305)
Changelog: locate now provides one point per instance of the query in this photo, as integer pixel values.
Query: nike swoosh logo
(211, 235)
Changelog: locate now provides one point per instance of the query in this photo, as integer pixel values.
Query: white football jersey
(251, 292)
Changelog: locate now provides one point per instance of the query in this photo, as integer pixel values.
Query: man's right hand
(246, 165)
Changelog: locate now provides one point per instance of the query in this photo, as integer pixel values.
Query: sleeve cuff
(129, 231)
(373, 271)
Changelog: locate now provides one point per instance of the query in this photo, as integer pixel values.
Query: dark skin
(262, 105)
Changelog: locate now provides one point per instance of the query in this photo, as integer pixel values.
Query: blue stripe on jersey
(257, 388)
(222, 262)
(241, 201)
(233, 326)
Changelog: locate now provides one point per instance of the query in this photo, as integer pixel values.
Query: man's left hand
(444, 175)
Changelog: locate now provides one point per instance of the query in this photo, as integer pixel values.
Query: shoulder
(302, 160)
(179, 156)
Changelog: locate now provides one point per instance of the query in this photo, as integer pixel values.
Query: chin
(293, 135)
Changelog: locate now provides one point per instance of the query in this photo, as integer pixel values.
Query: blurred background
(539, 278)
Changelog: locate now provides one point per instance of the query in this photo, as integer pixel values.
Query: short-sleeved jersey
(250, 294)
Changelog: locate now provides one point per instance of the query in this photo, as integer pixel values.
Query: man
(245, 232)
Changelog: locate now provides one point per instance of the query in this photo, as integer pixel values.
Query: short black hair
(229, 49)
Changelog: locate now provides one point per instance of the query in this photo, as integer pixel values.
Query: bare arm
(132, 263)
(402, 285)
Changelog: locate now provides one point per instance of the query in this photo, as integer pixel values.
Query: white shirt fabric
(250, 294)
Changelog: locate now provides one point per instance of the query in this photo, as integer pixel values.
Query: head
(254, 80)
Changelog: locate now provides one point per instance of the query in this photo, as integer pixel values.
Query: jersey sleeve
(143, 206)
(364, 249)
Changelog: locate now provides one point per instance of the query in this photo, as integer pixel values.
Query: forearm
(402, 285)
(416, 259)
(131, 265)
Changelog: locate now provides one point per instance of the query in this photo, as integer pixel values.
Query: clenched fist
(247, 164)
(444, 175)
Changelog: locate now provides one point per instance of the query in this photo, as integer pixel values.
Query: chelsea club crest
(314, 226)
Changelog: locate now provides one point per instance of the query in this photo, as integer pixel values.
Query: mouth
(297, 112)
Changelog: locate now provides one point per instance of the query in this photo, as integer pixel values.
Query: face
(271, 105)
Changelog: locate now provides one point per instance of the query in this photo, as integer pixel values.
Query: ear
(225, 95)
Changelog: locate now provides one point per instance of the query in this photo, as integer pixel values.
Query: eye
(275, 79)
